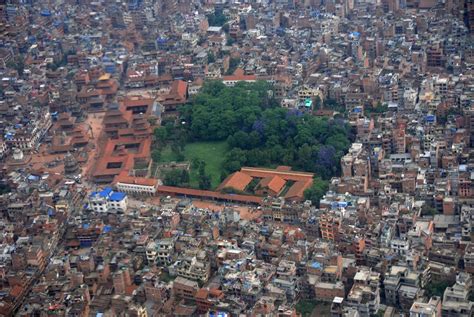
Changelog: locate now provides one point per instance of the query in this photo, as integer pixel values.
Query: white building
(108, 201)
(160, 251)
(430, 309)
(136, 185)
(401, 247)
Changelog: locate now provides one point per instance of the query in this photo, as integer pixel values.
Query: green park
(225, 128)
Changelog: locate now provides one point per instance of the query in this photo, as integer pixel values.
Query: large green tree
(260, 133)
(176, 177)
(316, 191)
(156, 155)
(160, 134)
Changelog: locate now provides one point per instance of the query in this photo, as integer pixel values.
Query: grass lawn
(212, 153)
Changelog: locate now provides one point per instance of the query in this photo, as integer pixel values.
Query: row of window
(136, 188)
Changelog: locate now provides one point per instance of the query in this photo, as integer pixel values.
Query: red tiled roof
(298, 188)
(177, 94)
(209, 194)
(286, 175)
(127, 159)
(237, 180)
(274, 183)
(124, 178)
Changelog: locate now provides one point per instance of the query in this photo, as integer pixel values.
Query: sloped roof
(274, 183)
(298, 188)
(237, 180)
(286, 175)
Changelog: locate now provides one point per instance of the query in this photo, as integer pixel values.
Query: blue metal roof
(46, 13)
(316, 265)
(105, 192)
(355, 34)
(430, 118)
(117, 196)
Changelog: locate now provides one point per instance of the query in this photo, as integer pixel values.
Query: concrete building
(108, 201)
(429, 309)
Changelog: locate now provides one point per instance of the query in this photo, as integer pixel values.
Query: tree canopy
(260, 133)
(437, 288)
(217, 18)
(176, 177)
(316, 191)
